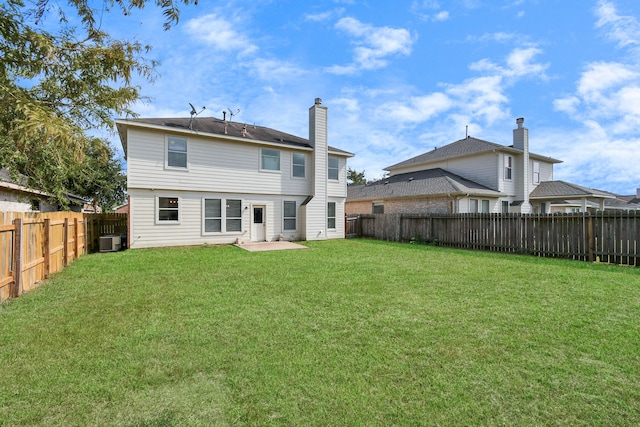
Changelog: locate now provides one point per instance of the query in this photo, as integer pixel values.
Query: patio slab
(269, 246)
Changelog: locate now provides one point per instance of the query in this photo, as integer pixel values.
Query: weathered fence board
(34, 245)
(610, 237)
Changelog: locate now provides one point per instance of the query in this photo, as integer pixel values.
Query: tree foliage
(354, 177)
(55, 87)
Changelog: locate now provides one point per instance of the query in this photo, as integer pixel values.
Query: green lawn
(346, 333)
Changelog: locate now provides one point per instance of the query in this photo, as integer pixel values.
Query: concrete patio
(269, 246)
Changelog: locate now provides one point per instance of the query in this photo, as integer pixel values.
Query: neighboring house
(211, 181)
(124, 208)
(472, 175)
(17, 197)
(575, 198)
(632, 199)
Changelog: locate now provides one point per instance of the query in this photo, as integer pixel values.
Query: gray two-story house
(473, 175)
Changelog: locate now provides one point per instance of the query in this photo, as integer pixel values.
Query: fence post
(590, 239)
(65, 242)
(76, 239)
(47, 246)
(17, 258)
(86, 229)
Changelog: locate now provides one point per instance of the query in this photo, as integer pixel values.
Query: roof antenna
(231, 113)
(194, 113)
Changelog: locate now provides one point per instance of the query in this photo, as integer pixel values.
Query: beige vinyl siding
(338, 188)
(146, 232)
(338, 232)
(546, 171)
(213, 165)
(480, 168)
(316, 209)
(505, 185)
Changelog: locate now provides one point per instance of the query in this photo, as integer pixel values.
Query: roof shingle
(430, 182)
(212, 125)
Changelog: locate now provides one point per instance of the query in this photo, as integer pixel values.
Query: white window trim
(157, 211)
(290, 217)
(536, 173)
(223, 218)
(279, 170)
(335, 217)
(338, 168)
(166, 153)
(477, 209)
(304, 156)
(510, 167)
(209, 233)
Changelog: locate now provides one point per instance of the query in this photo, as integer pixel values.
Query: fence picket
(606, 236)
(34, 245)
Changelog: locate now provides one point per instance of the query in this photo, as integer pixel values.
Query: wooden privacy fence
(611, 237)
(34, 245)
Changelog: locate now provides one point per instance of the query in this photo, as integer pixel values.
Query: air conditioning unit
(110, 243)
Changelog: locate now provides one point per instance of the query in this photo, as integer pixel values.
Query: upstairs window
(269, 159)
(333, 168)
(298, 160)
(536, 172)
(176, 152)
(508, 167)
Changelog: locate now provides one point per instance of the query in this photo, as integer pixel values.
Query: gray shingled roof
(462, 147)
(212, 125)
(616, 203)
(430, 182)
(566, 190)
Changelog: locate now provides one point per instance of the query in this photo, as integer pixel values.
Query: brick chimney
(521, 142)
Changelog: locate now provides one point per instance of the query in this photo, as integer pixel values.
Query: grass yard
(346, 333)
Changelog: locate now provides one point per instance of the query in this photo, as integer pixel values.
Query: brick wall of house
(357, 208)
(427, 205)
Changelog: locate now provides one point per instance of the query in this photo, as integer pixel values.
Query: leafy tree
(55, 87)
(99, 177)
(355, 178)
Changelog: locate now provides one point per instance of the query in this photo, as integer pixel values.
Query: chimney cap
(520, 120)
(318, 101)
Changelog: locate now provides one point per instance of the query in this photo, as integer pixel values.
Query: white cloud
(324, 16)
(427, 10)
(416, 109)
(568, 104)
(602, 76)
(373, 45)
(625, 30)
(220, 33)
(319, 17)
(519, 64)
(441, 16)
(275, 70)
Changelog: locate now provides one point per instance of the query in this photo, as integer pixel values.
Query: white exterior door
(258, 224)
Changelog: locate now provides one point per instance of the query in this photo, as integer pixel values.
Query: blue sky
(400, 78)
